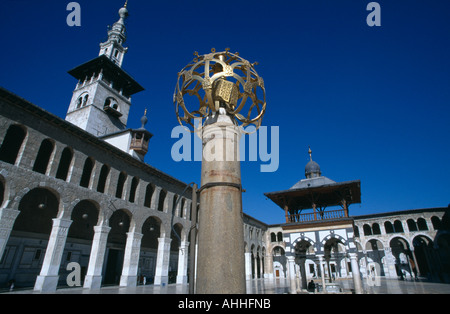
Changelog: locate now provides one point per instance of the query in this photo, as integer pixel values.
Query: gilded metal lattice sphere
(220, 80)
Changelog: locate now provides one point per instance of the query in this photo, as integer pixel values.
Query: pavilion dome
(312, 169)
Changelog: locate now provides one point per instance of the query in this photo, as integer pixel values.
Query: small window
(43, 156)
(12, 144)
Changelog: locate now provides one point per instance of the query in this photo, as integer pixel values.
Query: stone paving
(270, 286)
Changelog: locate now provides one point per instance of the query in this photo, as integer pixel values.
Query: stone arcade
(77, 190)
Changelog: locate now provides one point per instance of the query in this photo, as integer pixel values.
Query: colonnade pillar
(131, 259)
(47, 281)
(93, 279)
(162, 261)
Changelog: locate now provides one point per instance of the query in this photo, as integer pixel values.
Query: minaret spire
(113, 48)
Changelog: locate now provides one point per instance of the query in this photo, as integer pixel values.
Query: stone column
(322, 272)
(7, 219)
(162, 262)
(221, 227)
(131, 259)
(248, 266)
(182, 263)
(291, 267)
(355, 272)
(93, 279)
(47, 281)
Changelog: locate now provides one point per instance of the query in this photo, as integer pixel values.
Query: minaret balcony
(139, 145)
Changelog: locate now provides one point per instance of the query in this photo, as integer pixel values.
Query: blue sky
(373, 102)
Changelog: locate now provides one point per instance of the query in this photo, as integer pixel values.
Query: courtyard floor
(269, 286)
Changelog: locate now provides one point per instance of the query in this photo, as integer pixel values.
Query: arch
(279, 236)
(436, 222)
(87, 172)
(422, 224)
(400, 250)
(121, 184)
(133, 188)
(412, 226)
(388, 227)
(38, 207)
(162, 199)
(43, 157)
(120, 223)
(151, 230)
(149, 190)
(104, 175)
(367, 230)
(356, 231)
(64, 164)
(273, 237)
(423, 246)
(376, 229)
(374, 245)
(85, 216)
(398, 226)
(12, 143)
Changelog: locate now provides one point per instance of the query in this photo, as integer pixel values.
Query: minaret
(101, 100)
(113, 48)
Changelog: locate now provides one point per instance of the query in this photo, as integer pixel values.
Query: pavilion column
(7, 219)
(93, 279)
(286, 211)
(131, 259)
(355, 272)
(162, 262)
(182, 263)
(47, 281)
(248, 265)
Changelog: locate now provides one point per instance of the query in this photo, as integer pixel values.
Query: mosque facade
(77, 190)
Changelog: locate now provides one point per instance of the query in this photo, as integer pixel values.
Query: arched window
(389, 227)
(411, 225)
(85, 100)
(280, 237)
(79, 102)
(12, 143)
(398, 227)
(87, 172)
(64, 164)
(121, 184)
(422, 224)
(104, 172)
(436, 222)
(183, 202)
(134, 185)
(162, 198)
(43, 156)
(367, 230)
(376, 228)
(148, 195)
(273, 237)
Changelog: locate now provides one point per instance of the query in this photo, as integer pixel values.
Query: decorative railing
(317, 216)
